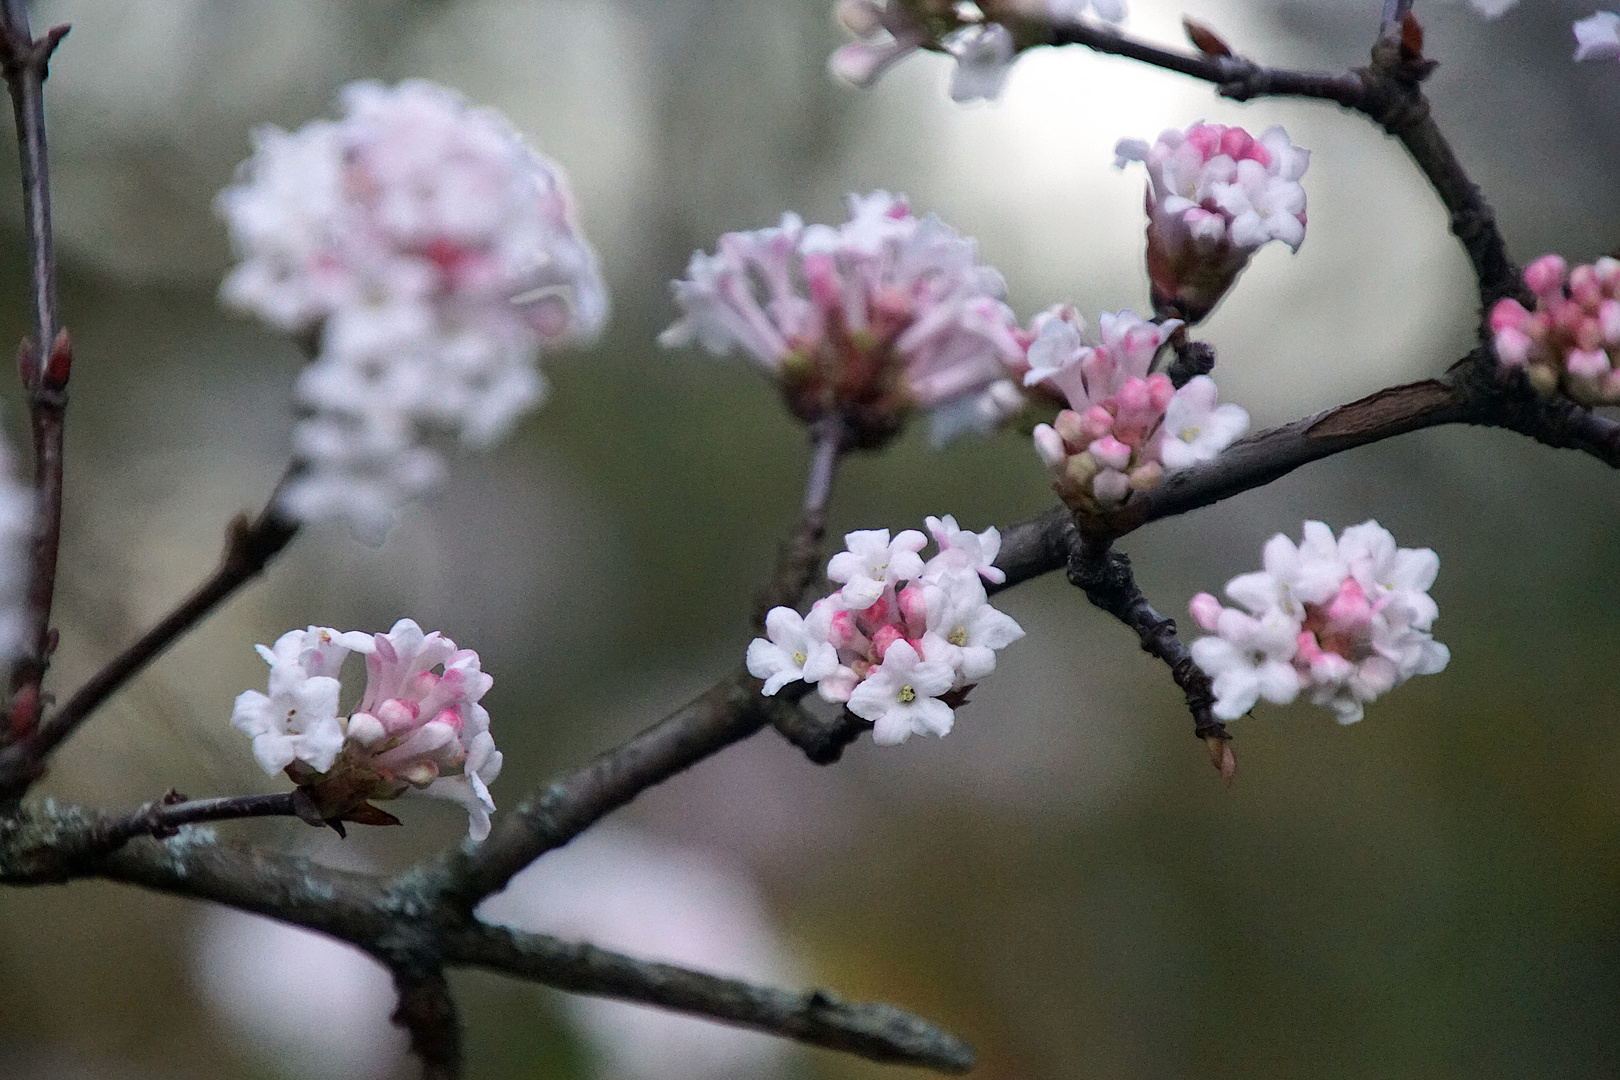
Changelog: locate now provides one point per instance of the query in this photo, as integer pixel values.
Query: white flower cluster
(1124, 428)
(1598, 37)
(887, 31)
(1216, 195)
(1345, 620)
(16, 560)
(881, 313)
(902, 637)
(430, 255)
(413, 732)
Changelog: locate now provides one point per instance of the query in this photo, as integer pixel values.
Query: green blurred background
(1434, 892)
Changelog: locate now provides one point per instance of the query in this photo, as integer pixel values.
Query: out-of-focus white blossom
(909, 638)
(414, 731)
(1598, 37)
(429, 256)
(1344, 620)
(1215, 195)
(868, 319)
(625, 891)
(1124, 428)
(1571, 341)
(887, 31)
(317, 1007)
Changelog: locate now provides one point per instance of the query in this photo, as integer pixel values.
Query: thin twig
(46, 358)
(874, 1031)
(249, 547)
(166, 816)
(428, 1012)
(1105, 577)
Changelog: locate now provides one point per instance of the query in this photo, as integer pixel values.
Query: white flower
(431, 256)
(297, 720)
(984, 56)
(1346, 620)
(413, 731)
(1109, 10)
(794, 648)
(1195, 428)
(1598, 37)
(901, 697)
(872, 563)
(1249, 659)
(887, 33)
(962, 549)
(964, 631)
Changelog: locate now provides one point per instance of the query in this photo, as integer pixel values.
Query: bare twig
(428, 1012)
(249, 547)
(1105, 577)
(878, 1032)
(46, 358)
(165, 817)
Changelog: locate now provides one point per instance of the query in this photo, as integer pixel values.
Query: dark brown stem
(165, 817)
(1105, 577)
(428, 1012)
(249, 547)
(46, 358)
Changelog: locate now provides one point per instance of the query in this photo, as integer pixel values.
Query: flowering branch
(46, 358)
(249, 547)
(1388, 91)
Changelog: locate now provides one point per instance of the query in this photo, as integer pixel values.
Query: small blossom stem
(797, 560)
(165, 817)
(249, 547)
(1388, 92)
(878, 1032)
(25, 62)
(1105, 577)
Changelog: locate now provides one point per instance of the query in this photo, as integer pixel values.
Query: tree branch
(875, 1031)
(165, 817)
(249, 547)
(44, 360)
(428, 1012)
(1105, 577)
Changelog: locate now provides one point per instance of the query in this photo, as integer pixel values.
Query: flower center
(798, 658)
(1188, 434)
(958, 636)
(906, 695)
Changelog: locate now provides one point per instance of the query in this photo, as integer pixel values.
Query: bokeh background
(1434, 892)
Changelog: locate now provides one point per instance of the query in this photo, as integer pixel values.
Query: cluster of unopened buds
(904, 640)
(428, 255)
(866, 319)
(1216, 194)
(1344, 620)
(1124, 427)
(414, 732)
(1571, 341)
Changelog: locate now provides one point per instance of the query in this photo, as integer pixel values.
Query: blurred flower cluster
(866, 319)
(1345, 619)
(904, 640)
(413, 731)
(1571, 340)
(426, 255)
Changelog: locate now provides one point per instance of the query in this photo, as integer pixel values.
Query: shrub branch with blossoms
(426, 257)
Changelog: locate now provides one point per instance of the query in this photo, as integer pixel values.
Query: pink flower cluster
(1345, 620)
(414, 731)
(904, 640)
(1216, 194)
(430, 255)
(868, 319)
(1571, 341)
(1124, 428)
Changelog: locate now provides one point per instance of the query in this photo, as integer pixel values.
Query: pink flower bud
(1584, 288)
(397, 715)
(1206, 611)
(1146, 476)
(1609, 320)
(1545, 276)
(886, 635)
(913, 609)
(1587, 363)
(1070, 427)
(1111, 452)
(1508, 313)
(1049, 444)
(1160, 391)
(1111, 486)
(1095, 422)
